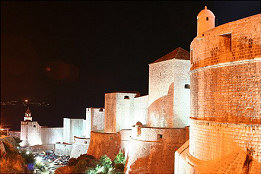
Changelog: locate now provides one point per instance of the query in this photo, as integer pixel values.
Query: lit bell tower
(27, 115)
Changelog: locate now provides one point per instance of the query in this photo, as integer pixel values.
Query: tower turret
(205, 21)
(27, 115)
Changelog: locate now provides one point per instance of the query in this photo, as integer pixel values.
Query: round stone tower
(205, 21)
(225, 89)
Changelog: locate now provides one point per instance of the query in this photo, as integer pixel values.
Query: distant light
(26, 101)
(48, 69)
(38, 159)
(27, 152)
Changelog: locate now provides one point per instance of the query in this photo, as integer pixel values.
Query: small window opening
(101, 110)
(34, 126)
(227, 41)
(187, 86)
(207, 18)
(159, 136)
(202, 34)
(126, 97)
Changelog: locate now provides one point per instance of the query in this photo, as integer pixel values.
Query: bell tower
(27, 115)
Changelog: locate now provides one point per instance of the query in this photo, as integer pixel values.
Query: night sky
(69, 53)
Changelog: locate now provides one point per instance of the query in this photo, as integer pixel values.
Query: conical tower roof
(28, 110)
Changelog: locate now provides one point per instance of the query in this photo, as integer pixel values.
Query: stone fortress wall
(162, 124)
(63, 140)
(225, 99)
(141, 109)
(30, 133)
(51, 135)
(151, 149)
(224, 136)
(108, 143)
(119, 111)
(79, 146)
(73, 127)
(94, 120)
(231, 67)
(169, 94)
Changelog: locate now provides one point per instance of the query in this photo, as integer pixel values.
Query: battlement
(233, 41)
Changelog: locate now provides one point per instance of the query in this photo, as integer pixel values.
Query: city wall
(108, 143)
(233, 41)
(94, 120)
(73, 127)
(79, 147)
(119, 111)
(211, 140)
(226, 68)
(169, 94)
(63, 149)
(152, 149)
(141, 109)
(51, 135)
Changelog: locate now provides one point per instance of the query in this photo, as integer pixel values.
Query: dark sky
(69, 53)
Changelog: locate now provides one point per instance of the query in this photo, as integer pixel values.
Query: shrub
(119, 159)
(106, 162)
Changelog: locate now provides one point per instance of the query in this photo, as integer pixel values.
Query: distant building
(62, 139)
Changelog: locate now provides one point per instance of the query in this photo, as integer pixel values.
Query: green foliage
(39, 166)
(106, 162)
(106, 166)
(119, 159)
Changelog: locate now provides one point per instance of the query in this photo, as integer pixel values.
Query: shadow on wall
(160, 112)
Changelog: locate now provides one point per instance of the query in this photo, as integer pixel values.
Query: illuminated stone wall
(73, 127)
(30, 133)
(211, 140)
(94, 120)
(217, 47)
(169, 93)
(51, 135)
(151, 150)
(119, 111)
(63, 149)
(79, 147)
(225, 98)
(141, 109)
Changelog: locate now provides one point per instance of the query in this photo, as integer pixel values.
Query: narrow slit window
(207, 18)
